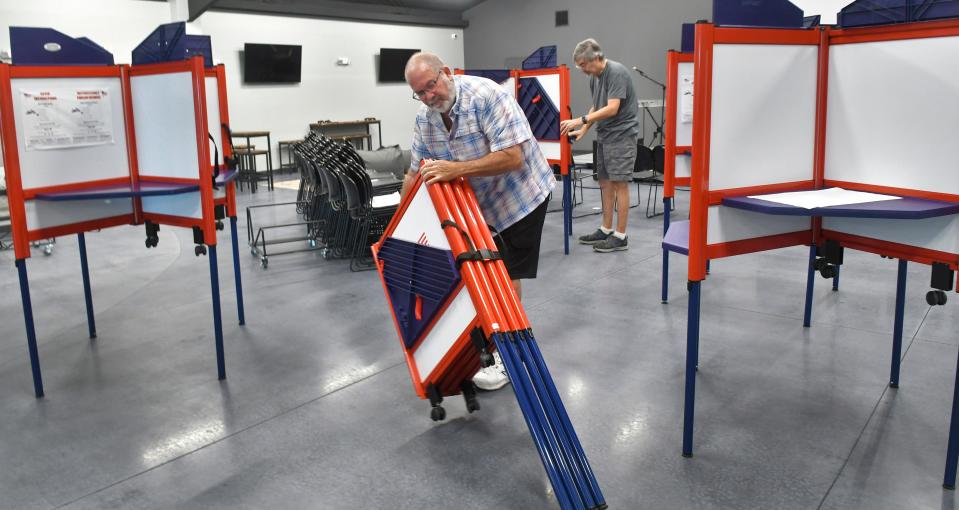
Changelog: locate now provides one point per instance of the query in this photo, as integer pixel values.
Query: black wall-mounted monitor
(393, 63)
(271, 63)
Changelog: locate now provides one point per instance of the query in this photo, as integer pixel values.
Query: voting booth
(453, 305)
(790, 148)
(89, 147)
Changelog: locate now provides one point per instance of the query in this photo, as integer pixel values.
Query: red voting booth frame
(703, 197)
(133, 186)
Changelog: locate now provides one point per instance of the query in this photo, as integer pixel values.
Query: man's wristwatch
(583, 118)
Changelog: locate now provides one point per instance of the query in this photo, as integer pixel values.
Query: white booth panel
(66, 164)
(763, 115)
(684, 104)
(726, 224)
(893, 114)
(165, 121)
(184, 205)
(683, 167)
(941, 234)
(45, 214)
(447, 330)
(213, 117)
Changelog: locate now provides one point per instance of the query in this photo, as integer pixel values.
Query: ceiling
(447, 13)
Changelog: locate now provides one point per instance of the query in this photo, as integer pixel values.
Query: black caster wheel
(936, 297)
(486, 359)
(219, 225)
(828, 272)
(264, 262)
(199, 250)
(818, 264)
(438, 413)
(147, 243)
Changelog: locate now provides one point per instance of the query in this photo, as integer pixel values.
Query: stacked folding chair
(453, 304)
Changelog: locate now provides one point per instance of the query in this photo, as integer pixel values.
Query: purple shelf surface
(677, 237)
(905, 208)
(143, 189)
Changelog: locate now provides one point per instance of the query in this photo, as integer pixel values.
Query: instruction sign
(60, 118)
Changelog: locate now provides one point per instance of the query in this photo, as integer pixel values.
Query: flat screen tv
(393, 63)
(271, 63)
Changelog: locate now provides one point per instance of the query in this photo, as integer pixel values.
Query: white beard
(445, 106)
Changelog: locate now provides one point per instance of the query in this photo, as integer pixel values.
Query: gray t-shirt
(615, 83)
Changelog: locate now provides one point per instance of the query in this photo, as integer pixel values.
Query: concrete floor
(318, 410)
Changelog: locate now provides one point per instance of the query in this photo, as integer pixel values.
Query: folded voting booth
(453, 305)
(88, 147)
(794, 110)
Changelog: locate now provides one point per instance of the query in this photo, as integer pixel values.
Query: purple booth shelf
(904, 208)
(145, 188)
(676, 239)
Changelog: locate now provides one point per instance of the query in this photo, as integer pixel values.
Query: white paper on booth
(60, 118)
(686, 99)
(824, 198)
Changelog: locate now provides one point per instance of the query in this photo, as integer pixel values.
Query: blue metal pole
(580, 456)
(31, 333)
(835, 280)
(666, 207)
(810, 283)
(692, 357)
(87, 293)
(236, 272)
(217, 321)
(952, 451)
(547, 452)
(707, 265)
(567, 231)
(560, 430)
(897, 327)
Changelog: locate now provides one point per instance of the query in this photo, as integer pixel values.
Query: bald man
(470, 127)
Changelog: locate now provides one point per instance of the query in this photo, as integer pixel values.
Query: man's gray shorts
(615, 160)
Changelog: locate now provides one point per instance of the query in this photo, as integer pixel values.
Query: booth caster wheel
(219, 225)
(199, 250)
(152, 241)
(936, 297)
(469, 395)
(47, 250)
(438, 413)
(828, 271)
(264, 262)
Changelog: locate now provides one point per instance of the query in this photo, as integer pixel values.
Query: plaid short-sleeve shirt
(487, 119)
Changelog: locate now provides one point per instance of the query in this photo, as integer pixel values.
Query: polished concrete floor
(318, 411)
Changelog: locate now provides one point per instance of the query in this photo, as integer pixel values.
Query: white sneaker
(492, 377)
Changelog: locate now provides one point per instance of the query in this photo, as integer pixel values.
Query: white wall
(326, 91)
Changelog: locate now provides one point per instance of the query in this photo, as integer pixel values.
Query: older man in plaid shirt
(470, 127)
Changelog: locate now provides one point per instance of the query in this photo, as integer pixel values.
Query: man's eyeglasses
(430, 85)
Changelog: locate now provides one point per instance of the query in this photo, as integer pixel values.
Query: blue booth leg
(952, 452)
(835, 280)
(692, 359)
(666, 206)
(217, 320)
(567, 214)
(534, 422)
(31, 333)
(87, 293)
(236, 272)
(810, 283)
(897, 327)
(539, 364)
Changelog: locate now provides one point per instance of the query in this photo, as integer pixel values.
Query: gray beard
(445, 107)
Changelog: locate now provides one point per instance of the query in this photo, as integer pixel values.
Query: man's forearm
(494, 163)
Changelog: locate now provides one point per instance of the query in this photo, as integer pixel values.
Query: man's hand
(437, 170)
(577, 134)
(567, 125)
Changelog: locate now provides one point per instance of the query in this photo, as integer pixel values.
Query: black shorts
(519, 244)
